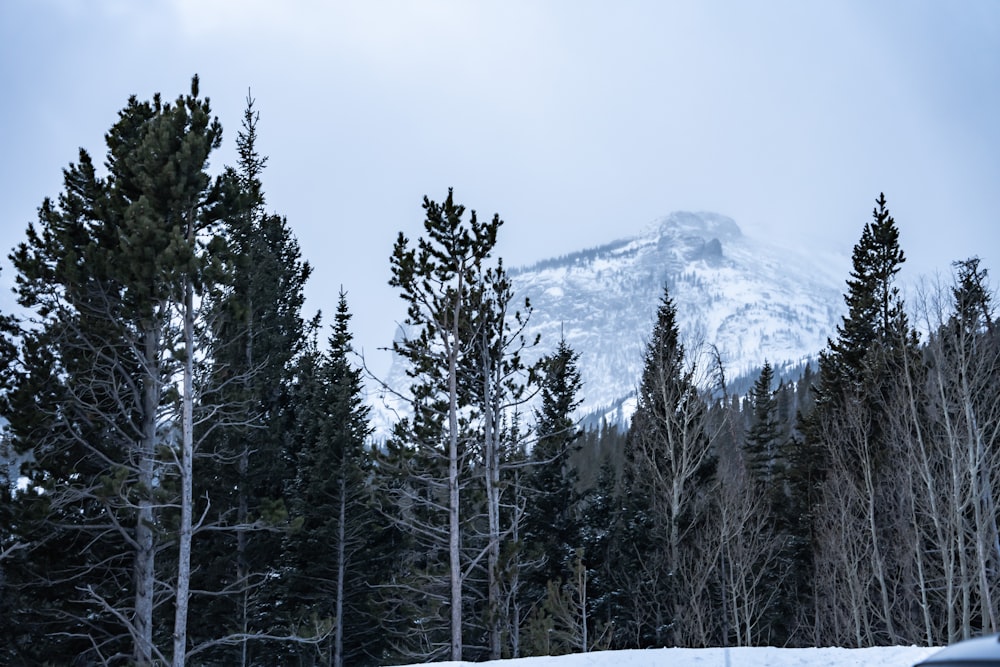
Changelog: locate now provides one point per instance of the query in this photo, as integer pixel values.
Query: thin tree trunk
(454, 541)
(925, 472)
(491, 469)
(876, 549)
(584, 640)
(145, 553)
(243, 509)
(514, 622)
(925, 607)
(338, 633)
(187, 490)
(958, 505)
(985, 527)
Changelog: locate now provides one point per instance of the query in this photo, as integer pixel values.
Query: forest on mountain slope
(202, 486)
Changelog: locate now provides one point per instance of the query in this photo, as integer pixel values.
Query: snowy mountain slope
(749, 299)
(882, 656)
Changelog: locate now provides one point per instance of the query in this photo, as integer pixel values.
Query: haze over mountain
(748, 299)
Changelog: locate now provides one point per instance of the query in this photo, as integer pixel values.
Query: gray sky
(579, 122)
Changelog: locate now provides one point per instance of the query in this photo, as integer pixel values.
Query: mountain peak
(745, 300)
(703, 224)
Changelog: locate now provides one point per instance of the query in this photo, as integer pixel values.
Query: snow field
(883, 656)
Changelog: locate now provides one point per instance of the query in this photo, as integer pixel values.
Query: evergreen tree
(875, 308)
(107, 272)
(668, 461)
(444, 281)
(762, 436)
(794, 497)
(258, 334)
(972, 299)
(328, 553)
(552, 522)
(598, 542)
(849, 428)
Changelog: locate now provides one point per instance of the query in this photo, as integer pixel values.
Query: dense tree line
(202, 485)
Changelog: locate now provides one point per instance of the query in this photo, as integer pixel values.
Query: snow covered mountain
(749, 299)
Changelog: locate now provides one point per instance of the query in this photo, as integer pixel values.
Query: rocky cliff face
(745, 299)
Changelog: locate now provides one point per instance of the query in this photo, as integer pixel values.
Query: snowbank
(890, 656)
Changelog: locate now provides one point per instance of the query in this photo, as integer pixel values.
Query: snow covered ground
(892, 656)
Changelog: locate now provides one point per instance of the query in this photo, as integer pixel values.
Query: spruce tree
(875, 308)
(329, 556)
(552, 522)
(668, 462)
(762, 436)
(258, 335)
(855, 372)
(849, 430)
(973, 302)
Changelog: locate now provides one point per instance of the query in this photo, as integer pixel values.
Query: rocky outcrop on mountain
(739, 301)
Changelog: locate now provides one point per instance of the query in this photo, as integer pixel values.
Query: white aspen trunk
(493, 557)
(958, 501)
(918, 557)
(515, 607)
(925, 472)
(858, 617)
(187, 484)
(876, 548)
(963, 571)
(145, 556)
(981, 499)
(491, 470)
(454, 527)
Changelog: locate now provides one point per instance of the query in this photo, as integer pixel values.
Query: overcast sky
(578, 122)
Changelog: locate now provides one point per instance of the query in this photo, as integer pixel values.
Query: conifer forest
(199, 482)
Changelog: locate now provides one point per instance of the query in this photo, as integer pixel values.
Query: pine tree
(109, 272)
(442, 280)
(598, 542)
(972, 298)
(875, 308)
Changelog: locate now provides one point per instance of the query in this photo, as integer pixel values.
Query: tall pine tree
(108, 272)
(443, 280)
